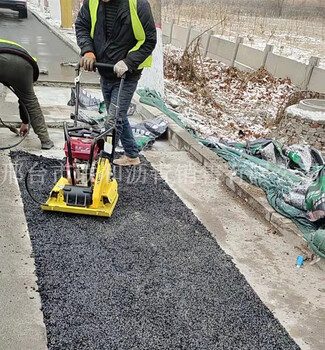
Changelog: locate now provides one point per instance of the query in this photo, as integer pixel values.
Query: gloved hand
(88, 61)
(120, 68)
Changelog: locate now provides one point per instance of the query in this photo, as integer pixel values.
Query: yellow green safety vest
(7, 46)
(15, 44)
(138, 30)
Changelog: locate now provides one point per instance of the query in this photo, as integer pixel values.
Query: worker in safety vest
(122, 33)
(19, 70)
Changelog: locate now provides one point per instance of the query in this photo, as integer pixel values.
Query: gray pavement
(21, 318)
(52, 99)
(49, 50)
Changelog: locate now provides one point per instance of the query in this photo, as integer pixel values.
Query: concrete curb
(64, 84)
(182, 140)
(22, 324)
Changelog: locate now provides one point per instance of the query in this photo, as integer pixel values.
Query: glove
(120, 68)
(88, 61)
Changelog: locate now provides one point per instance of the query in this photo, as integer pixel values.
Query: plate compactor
(87, 185)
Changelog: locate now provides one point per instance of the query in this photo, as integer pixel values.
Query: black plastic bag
(86, 101)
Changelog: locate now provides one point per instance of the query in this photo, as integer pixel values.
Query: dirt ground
(222, 102)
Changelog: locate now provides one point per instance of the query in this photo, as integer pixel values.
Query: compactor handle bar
(104, 65)
(96, 65)
(77, 86)
(106, 132)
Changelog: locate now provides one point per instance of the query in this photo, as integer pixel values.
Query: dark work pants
(124, 131)
(18, 73)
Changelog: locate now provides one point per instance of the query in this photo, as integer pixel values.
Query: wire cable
(28, 117)
(27, 186)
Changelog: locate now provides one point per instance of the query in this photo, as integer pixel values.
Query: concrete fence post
(210, 33)
(188, 35)
(313, 62)
(171, 30)
(239, 41)
(267, 50)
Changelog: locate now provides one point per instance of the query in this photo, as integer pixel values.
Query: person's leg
(107, 88)
(124, 131)
(19, 75)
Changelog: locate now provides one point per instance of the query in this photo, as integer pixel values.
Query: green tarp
(277, 182)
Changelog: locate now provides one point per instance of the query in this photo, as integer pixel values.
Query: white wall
(283, 67)
(317, 81)
(221, 49)
(250, 57)
(179, 36)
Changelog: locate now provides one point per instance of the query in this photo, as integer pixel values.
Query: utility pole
(153, 78)
(66, 13)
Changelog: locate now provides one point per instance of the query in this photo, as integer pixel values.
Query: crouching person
(19, 70)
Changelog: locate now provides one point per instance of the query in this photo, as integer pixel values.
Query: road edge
(22, 325)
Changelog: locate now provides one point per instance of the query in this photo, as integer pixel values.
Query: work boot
(47, 144)
(126, 161)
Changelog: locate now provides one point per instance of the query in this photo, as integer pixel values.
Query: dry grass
(224, 99)
(298, 34)
(189, 71)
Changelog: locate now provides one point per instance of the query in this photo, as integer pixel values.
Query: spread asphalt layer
(151, 277)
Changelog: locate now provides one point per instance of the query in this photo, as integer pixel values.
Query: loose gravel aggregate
(149, 278)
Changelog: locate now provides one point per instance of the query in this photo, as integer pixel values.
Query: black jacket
(19, 51)
(122, 39)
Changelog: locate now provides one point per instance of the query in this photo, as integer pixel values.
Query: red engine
(80, 148)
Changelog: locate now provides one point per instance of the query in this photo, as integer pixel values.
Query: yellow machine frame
(104, 194)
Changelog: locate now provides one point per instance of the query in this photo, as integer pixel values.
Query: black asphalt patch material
(149, 278)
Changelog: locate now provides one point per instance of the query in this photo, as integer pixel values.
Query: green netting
(152, 98)
(276, 182)
(144, 141)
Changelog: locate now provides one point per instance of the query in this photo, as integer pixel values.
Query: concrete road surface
(49, 50)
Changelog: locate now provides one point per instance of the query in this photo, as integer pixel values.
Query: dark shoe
(47, 144)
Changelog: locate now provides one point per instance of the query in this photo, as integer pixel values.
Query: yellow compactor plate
(104, 194)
